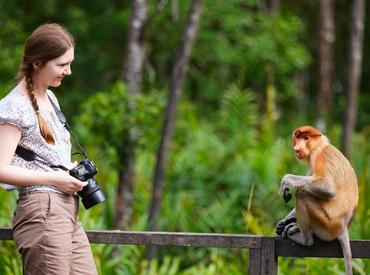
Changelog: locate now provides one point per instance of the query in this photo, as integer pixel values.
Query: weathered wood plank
(6, 234)
(283, 247)
(321, 249)
(164, 238)
(175, 239)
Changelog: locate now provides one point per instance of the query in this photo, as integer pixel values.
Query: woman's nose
(68, 70)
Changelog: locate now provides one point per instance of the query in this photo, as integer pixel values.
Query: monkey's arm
(319, 188)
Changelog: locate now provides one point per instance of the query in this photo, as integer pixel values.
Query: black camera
(92, 193)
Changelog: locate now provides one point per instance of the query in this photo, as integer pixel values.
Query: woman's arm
(9, 139)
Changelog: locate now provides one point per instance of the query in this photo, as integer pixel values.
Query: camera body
(92, 193)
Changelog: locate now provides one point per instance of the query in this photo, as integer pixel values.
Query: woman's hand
(63, 181)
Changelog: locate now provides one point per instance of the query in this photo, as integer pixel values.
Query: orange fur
(319, 166)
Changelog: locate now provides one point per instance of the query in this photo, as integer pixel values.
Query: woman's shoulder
(15, 98)
(15, 109)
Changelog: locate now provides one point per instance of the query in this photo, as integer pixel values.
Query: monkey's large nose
(299, 154)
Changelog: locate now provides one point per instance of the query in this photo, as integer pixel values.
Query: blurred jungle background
(187, 108)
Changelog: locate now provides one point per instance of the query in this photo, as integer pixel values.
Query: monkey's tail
(346, 248)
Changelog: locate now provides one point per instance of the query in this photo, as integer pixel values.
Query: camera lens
(92, 194)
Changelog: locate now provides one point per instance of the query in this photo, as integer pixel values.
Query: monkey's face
(301, 148)
(305, 139)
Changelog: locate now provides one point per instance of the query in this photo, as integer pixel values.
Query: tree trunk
(135, 53)
(177, 78)
(300, 82)
(354, 72)
(132, 76)
(273, 6)
(325, 62)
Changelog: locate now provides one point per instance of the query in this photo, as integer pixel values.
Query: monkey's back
(345, 201)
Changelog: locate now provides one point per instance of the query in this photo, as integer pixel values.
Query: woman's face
(53, 72)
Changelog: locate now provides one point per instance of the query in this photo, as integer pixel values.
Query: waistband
(39, 188)
(59, 194)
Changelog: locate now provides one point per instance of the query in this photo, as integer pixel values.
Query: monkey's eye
(306, 137)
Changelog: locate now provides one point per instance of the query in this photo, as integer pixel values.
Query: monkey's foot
(281, 225)
(290, 230)
(293, 233)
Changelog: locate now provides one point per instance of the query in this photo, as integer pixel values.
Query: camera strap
(64, 122)
(29, 155)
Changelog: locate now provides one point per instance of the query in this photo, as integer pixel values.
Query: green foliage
(10, 55)
(169, 266)
(9, 259)
(239, 115)
(217, 266)
(273, 50)
(10, 262)
(274, 41)
(248, 46)
(106, 117)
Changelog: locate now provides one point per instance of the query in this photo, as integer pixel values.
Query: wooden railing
(263, 251)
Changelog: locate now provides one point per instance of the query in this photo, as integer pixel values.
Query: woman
(45, 224)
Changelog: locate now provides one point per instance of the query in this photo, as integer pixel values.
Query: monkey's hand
(283, 193)
(286, 182)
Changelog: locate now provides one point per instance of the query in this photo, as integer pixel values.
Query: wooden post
(268, 257)
(263, 261)
(254, 261)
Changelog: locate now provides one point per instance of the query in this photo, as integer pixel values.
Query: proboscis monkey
(326, 199)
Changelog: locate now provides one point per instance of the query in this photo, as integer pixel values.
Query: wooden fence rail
(263, 251)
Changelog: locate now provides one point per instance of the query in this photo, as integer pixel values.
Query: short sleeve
(12, 112)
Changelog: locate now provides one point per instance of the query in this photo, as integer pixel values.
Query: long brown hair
(47, 42)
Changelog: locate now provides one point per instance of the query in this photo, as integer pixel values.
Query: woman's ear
(36, 65)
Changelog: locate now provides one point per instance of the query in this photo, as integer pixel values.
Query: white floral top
(16, 109)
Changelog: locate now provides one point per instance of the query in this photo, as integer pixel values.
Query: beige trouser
(49, 236)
